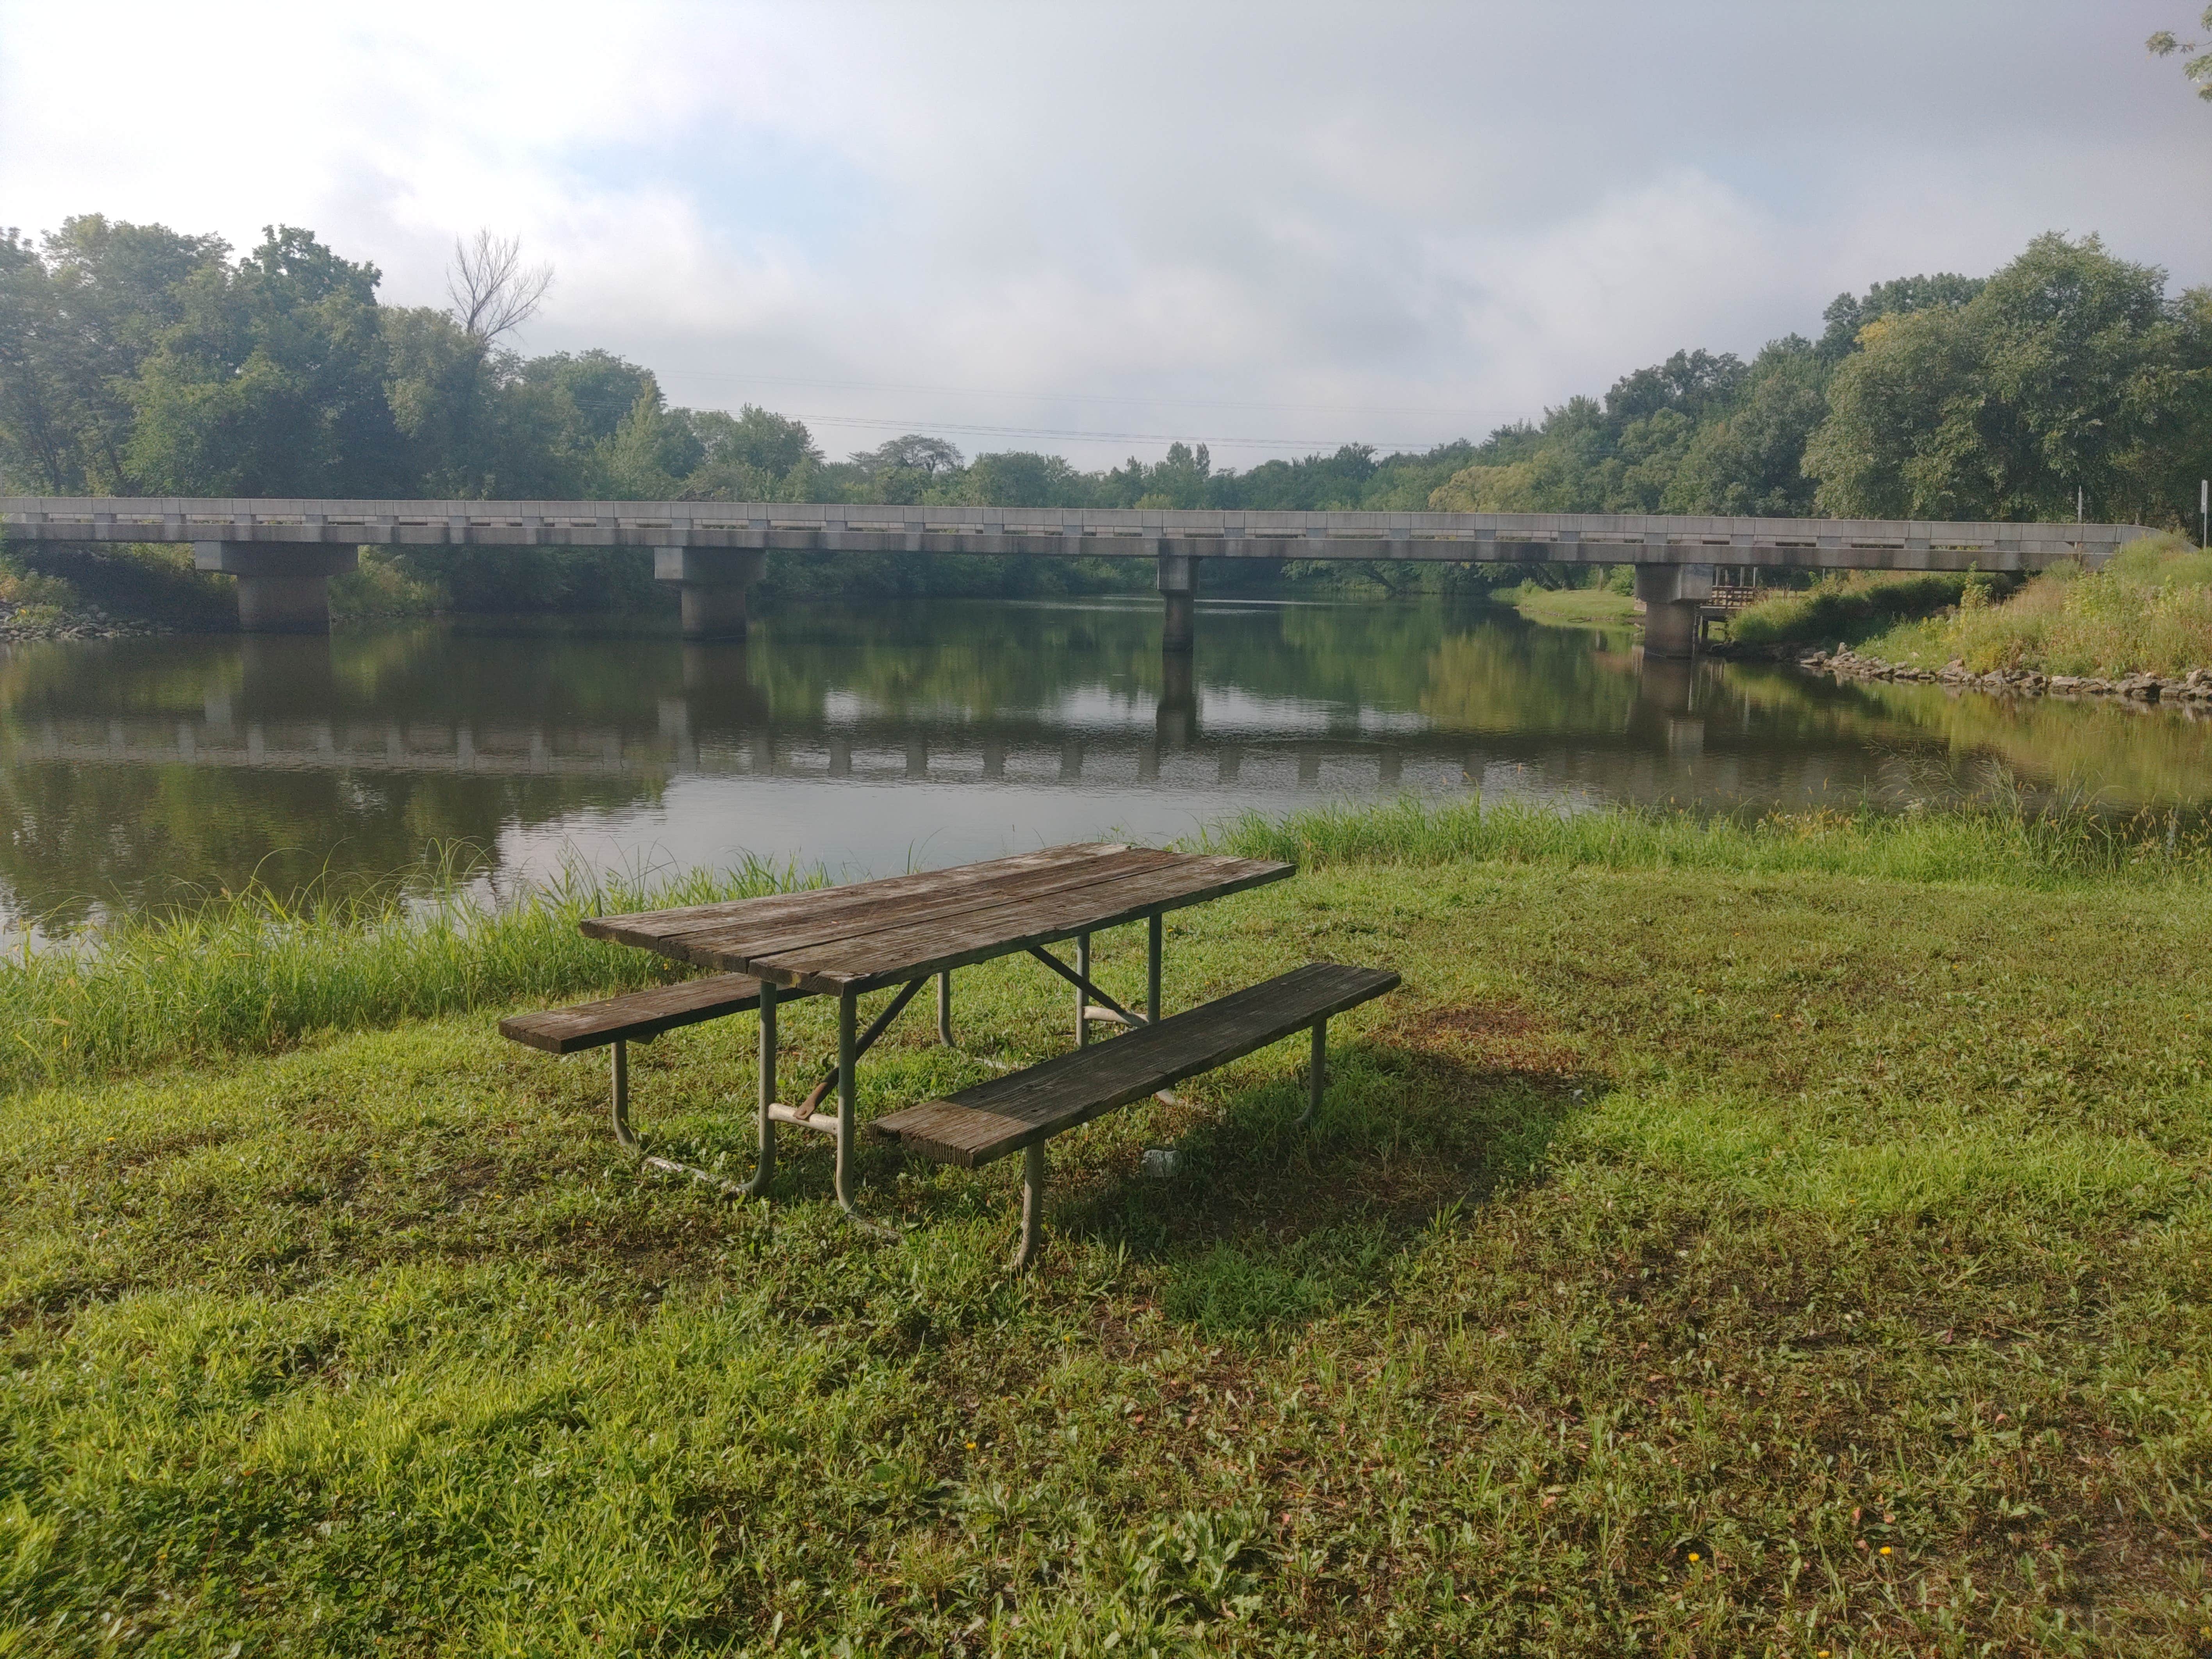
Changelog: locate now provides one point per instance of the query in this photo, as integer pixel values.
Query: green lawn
(1575, 607)
(1705, 1260)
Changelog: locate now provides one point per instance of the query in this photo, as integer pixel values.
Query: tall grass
(1850, 606)
(2147, 612)
(2005, 842)
(259, 971)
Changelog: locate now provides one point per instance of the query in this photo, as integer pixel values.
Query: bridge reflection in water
(721, 726)
(142, 768)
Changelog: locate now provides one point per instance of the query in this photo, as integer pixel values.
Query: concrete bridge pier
(1671, 595)
(1179, 592)
(281, 589)
(712, 581)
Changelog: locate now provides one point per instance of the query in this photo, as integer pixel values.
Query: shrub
(1853, 605)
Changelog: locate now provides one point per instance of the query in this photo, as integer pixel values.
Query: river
(928, 733)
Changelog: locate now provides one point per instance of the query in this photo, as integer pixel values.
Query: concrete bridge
(284, 552)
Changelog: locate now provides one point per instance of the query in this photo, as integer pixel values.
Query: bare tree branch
(493, 292)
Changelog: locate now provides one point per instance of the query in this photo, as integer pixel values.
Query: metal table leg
(628, 1138)
(1026, 1253)
(848, 1055)
(1317, 1072)
(757, 1187)
(1082, 990)
(1152, 969)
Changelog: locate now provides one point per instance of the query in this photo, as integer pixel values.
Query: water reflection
(145, 770)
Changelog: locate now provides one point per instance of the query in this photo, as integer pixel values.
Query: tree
(2197, 68)
(910, 453)
(493, 292)
(1749, 459)
(650, 452)
(39, 378)
(2067, 370)
(1847, 314)
(271, 382)
(749, 455)
(1020, 478)
(77, 321)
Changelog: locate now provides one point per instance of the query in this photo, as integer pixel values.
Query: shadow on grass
(1267, 1225)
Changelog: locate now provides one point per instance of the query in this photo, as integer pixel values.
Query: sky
(1093, 229)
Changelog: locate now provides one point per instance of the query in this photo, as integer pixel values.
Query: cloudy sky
(1094, 228)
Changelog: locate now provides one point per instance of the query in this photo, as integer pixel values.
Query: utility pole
(2077, 503)
(2203, 511)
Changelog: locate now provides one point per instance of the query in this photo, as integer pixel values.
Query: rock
(2139, 687)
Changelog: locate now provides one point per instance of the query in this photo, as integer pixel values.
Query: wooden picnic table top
(871, 933)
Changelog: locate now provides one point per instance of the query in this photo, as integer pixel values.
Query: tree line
(138, 360)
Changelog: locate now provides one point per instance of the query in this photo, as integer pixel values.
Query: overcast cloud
(1297, 225)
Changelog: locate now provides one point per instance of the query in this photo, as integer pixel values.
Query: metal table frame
(1091, 1004)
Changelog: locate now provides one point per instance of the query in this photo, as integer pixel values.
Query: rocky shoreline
(21, 626)
(2194, 688)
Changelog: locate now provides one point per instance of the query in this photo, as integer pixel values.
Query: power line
(922, 427)
(973, 430)
(1147, 399)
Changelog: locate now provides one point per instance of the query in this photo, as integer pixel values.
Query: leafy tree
(1847, 314)
(599, 388)
(77, 322)
(40, 413)
(1749, 458)
(1020, 478)
(754, 438)
(650, 454)
(2067, 370)
(271, 381)
(911, 453)
(2196, 68)
(445, 399)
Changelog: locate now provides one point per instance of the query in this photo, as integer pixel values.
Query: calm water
(934, 733)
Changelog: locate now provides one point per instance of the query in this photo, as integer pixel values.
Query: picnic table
(904, 931)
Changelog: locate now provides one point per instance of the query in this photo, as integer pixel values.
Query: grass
(2150, 610)
(1704, 1252)
(1850, 607)
(1999, 844)
(1572, 607)
(263, 971)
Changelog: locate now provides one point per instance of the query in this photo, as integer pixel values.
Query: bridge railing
(1582, 537)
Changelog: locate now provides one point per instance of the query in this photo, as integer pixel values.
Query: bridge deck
(1130, 532)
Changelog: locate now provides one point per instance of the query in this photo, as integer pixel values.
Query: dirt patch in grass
(1498, 1038)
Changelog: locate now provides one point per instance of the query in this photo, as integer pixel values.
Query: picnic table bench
(905, 930)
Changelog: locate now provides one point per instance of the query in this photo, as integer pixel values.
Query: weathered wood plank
(1007, 1114)
(809, 932)
(901, 952)
(659, 930)
(636, 1017)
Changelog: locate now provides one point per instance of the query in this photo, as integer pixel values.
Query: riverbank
(2192, 689)
(2139, 629)
(20, 625)
(1571, 607)
(1794, 1229)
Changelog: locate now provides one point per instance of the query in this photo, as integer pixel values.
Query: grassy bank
(1571, 607)
(1992, 846)
(263, 971)
(1731, 1239)
(1850, 607)
(2150, 610)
